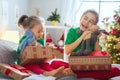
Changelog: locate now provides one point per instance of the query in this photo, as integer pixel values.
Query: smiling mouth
(84, 26)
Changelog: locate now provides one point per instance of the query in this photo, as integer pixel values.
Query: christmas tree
(113, 39)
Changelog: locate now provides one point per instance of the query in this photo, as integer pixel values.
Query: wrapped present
(37, 54)
(15, 71)
(79, 63)
(58, 54)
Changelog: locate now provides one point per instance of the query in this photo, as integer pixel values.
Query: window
(75, 8)
(105, 8)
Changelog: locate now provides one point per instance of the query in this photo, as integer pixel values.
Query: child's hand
(32, 44)
(68, 72)
(86, 33)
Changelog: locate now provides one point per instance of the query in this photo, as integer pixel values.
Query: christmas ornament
(49, 41)
(48, 38)
(118, 45)
(113, 39)
(61, 42)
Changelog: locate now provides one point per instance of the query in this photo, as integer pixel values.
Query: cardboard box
(58, 54)
(15, 71)
(37, 54)
(79, 63)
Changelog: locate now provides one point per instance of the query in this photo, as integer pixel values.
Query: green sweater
(73, 36)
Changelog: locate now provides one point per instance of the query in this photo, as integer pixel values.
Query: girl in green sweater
(31, 31)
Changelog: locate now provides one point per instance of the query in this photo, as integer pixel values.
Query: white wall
(27, 7)
(56, 33)
(9, 9)
(45, 7)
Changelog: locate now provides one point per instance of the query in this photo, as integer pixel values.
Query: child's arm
(87, 36)
(93, 29)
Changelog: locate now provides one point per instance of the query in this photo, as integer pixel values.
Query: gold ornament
(114, 47)
(117, 45)
(106, 25)
(118, 58)
(114, 61)
(119, 54)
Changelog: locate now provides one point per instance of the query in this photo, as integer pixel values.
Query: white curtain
(69, 10)
(3, 14)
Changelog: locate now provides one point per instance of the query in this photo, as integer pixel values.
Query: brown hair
(28, 22)
(21, 20)
(93, 12)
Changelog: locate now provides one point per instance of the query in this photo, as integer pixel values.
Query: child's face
(87, 21)
(37, 30)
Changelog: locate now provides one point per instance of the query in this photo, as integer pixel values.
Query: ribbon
(7, 72)
(21, 69)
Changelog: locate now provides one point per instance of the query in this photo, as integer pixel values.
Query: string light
(113, 39)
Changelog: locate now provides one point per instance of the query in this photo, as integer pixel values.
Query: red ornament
(114, 31)
(48, 38)
(116, 51)
(118, 20)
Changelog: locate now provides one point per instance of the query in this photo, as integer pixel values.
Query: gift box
(35, 54)
(15, 71)
(84, 63)
(58, 54)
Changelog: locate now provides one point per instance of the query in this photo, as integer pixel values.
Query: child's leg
(58, 63)
(46, 66)
(34, 68)
(38, 70)
(55, 72)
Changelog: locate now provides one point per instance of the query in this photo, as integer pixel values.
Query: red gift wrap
(15, 71)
